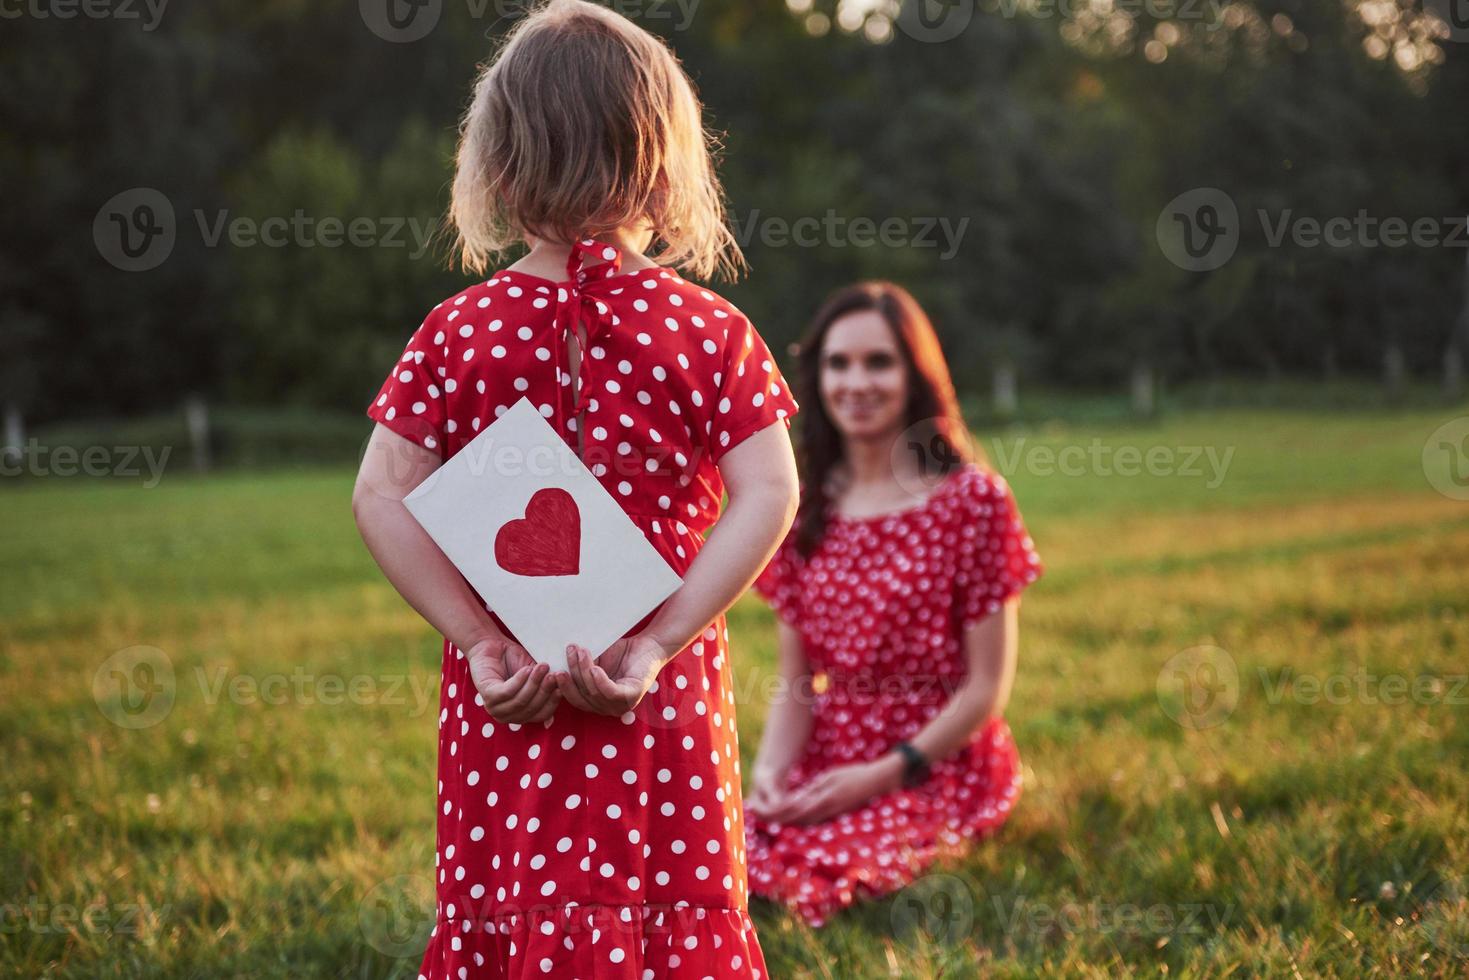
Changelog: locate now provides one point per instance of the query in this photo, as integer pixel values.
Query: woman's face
(864, 383)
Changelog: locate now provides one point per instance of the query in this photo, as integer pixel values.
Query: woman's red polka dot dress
(592, 846)
(882, 605)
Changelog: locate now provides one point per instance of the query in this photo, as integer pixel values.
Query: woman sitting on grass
(897, 597)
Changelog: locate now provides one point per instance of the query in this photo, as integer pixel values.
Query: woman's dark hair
(932, 405)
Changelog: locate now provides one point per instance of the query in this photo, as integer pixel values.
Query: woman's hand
(767, 792)
(514, 687)
(838, 790)
(615, 682)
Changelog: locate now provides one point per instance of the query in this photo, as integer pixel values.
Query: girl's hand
(514, 687)
(615, 682)
(831, 793)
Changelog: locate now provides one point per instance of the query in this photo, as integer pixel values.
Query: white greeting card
(542, 540)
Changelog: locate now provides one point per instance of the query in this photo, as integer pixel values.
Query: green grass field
(268, 809)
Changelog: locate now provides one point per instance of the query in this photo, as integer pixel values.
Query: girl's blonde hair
(581, 124)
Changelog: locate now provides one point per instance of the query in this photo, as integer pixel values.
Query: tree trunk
(1453, 371)
(1143, 401)
(196, 417)
(1394, 368)
(15, 433)
(1006, 402)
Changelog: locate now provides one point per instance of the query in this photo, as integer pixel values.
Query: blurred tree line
(1019, 167)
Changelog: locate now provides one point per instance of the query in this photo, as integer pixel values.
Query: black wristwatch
(915, 766)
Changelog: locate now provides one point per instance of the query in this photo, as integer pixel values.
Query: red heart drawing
(547, 541)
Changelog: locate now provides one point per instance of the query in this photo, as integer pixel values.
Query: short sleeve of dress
(779, 583)
(752, 392)
(997, 558)
(411, 400)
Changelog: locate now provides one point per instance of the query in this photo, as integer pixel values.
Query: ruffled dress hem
(595, 942)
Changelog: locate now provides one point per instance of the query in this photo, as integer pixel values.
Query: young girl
(897, 594)
(589, 820)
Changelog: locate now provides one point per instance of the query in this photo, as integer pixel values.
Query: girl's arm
(513, 686)
(760, 475)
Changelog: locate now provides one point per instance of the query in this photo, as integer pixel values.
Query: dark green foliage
(1053, 154)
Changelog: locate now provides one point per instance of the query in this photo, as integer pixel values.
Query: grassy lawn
(1242, 706)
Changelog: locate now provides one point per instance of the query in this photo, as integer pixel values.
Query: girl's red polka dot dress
(882, 605)
(591, 846)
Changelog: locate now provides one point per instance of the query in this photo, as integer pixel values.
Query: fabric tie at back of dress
(573, 303)
(575, 299)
